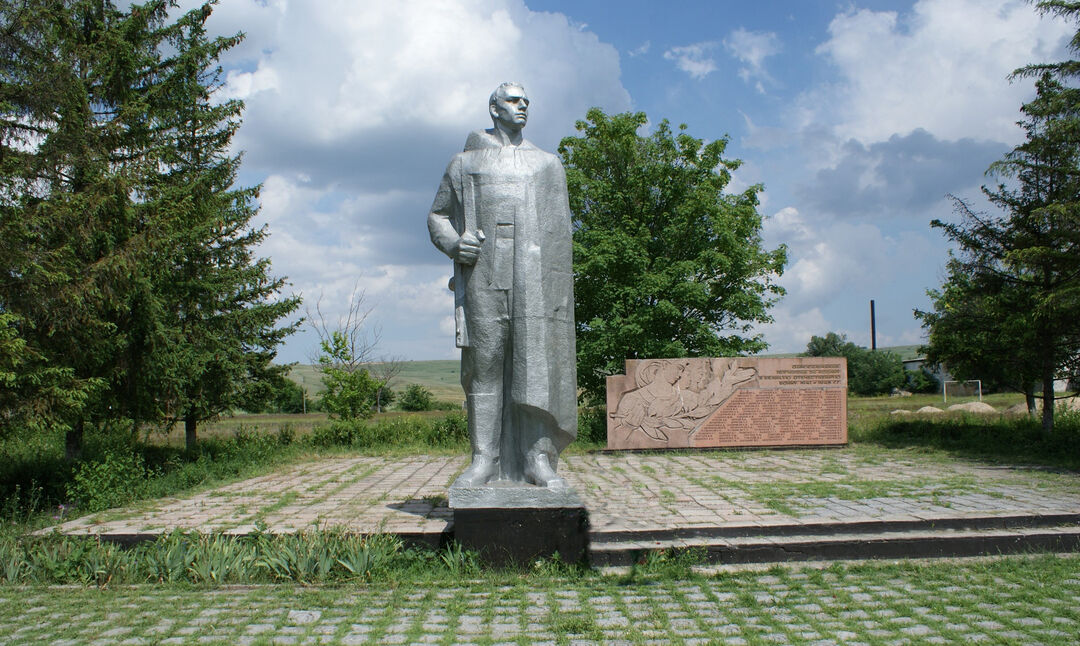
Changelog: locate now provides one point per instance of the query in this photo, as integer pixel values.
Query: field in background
(441, 377)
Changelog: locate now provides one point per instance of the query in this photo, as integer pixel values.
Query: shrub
(416, 398)
(592, 425)
(443, 432)
(336, 433)
(118, 478)
(921, 381)
(449, 431)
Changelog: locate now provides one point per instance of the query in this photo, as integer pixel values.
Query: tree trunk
(1029, 397)
(190, 438)
(1048, 404)
(73, 441)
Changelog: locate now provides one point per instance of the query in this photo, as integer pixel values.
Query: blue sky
(857, 117)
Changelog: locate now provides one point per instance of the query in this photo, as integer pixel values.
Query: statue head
(509, 106)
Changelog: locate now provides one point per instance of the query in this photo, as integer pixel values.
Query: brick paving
(954, 603)
(623, 492)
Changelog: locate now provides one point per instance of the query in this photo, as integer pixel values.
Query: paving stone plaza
(623, 492)
(947, 604)
(1008, 599)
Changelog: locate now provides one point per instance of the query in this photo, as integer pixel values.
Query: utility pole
(873, 327)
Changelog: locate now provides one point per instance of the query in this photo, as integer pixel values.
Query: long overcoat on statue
(515, 197)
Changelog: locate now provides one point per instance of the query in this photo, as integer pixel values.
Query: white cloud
(696, 60)
(943, 67)
(836, 266)
(334, 70)
(791, 330)
(353, 109)
(640, 50)
(244, 85)
(752, 48)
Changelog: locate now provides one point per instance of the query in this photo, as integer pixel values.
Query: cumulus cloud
(353, 109)
(905, 176)
(834, 261)
(696, 60)
(942, 68)
(752, 48)
(791, 330)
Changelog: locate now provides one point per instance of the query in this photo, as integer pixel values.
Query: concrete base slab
(513, 495)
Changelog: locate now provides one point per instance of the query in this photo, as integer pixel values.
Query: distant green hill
(442, 378)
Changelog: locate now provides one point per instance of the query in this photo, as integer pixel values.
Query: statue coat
(516, 197)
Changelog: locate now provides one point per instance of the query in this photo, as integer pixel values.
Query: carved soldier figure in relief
(502, 215)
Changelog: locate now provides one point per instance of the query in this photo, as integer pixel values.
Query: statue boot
(484, 425)
(539, 466)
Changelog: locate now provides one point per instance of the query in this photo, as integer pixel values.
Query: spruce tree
(220, 301)
(76, 82)
(131, 291)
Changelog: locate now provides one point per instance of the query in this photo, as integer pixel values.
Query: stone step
(914, 543)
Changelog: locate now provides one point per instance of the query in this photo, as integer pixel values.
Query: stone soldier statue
(502, 215)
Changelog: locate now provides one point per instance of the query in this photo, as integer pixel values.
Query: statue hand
(467, 248)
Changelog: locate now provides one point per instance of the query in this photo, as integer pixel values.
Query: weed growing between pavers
(791, 497)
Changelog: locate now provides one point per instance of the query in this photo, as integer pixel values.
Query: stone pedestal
(516, 523)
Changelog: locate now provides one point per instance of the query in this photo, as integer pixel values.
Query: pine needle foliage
(131, 290)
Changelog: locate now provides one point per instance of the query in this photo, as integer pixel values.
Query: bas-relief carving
(502, 214)
(674, 397)
(677, 403)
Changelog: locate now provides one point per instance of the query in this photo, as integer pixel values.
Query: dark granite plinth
(509, 536)
(516, 523)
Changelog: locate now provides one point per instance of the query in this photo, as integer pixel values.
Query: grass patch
(999, 439)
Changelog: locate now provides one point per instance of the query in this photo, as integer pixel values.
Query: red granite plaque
(725, 402)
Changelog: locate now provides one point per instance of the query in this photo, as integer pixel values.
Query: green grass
(993, 438)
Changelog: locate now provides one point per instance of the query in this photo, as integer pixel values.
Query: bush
(592, 425)
(451, 430)
(288, 398)
(118, 478)
(336, 433)
(874, 372)
(870, 372)
(921, 381)
(416, 398)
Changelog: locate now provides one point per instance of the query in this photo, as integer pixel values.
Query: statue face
(511, 107)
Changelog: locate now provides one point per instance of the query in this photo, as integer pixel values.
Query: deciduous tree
(666, 263)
